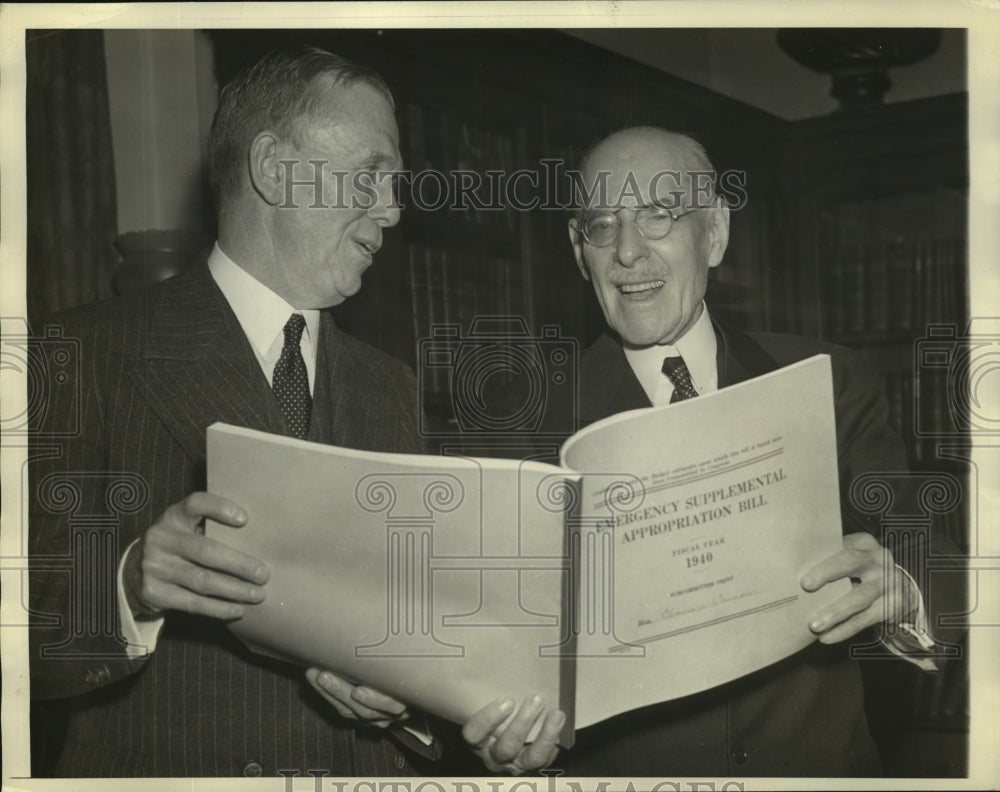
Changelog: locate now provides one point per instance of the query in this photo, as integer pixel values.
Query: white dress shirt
(262, 315)
(697, 347)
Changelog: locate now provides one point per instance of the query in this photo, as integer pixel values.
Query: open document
(662, 559)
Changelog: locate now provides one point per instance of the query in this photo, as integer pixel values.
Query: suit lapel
(609, 386)
(738, 357)
(341, 407)
(321, 425)
(197, 366)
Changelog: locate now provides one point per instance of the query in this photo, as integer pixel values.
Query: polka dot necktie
(677, 372)
(291, 382)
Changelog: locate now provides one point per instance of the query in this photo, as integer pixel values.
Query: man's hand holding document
(664, 557)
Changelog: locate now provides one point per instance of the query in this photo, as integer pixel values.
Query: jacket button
(98, 675)
(740, 755)
(252, 770)
(400, 761)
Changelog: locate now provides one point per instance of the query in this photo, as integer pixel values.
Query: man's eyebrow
(376, 159)
(663, 203)
(657, 204)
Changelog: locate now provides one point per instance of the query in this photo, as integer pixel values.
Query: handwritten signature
(672, 613)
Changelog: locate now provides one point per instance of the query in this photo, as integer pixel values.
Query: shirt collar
(698, 347)
(261, 313)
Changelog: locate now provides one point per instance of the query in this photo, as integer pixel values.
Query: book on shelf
(418, 297)
(450, 287)
(895, 286)
(662, 557)
(464, 153)
(875, 288)
(903, 274)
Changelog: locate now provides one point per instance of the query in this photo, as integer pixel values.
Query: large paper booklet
(662, 559)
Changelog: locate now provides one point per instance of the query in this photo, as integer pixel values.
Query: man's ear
(718, 232)
(267, 174)
(576, 240)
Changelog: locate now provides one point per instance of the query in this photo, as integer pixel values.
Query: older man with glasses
(648, 229)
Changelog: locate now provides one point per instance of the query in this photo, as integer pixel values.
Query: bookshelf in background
(875, 259)
(450, 292)
(464, 243)
(876, 214)
(892, 267)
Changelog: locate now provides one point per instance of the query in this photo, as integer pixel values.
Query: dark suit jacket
(153, 372)
(803, 716)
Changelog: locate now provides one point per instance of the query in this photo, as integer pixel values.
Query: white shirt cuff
(141, 634)
(420, 730)
(911, 640)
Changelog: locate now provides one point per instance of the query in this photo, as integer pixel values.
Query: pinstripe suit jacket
(803, 716)
(151, 373)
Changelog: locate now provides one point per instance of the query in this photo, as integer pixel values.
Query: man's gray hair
(693, 151)
(275, 93)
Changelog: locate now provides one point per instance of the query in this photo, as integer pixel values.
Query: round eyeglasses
(654, 222)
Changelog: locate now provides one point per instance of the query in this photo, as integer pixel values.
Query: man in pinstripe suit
(160, 687)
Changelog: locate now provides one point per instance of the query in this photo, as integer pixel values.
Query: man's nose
(386, 215)
(385, 210)
(630, 245)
